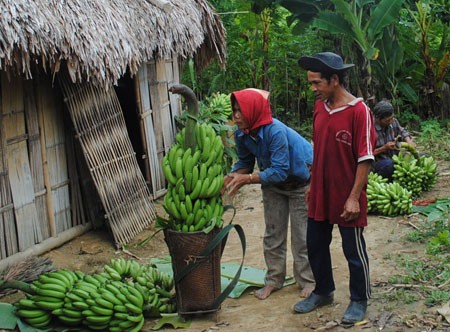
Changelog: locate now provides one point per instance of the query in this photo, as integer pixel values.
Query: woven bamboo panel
(36, 163)
(9, 242)
(101, 130)
(158, 75)
(18, 166)
(58, 182)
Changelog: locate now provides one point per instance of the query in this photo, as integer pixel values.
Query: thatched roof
(100, 40)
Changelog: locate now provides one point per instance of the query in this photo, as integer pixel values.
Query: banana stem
(250, 282)
(193, 111)
(16, 284)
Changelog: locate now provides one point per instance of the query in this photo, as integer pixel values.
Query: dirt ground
(384, 238)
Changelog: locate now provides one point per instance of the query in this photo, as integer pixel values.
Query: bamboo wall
(35, 195)
(158, 109)
(41, 178)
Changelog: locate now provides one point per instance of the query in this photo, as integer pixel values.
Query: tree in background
(400, 47)
(359, 25)
(262, 53)
(431, 33)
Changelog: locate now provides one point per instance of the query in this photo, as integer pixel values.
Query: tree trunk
(266, 18)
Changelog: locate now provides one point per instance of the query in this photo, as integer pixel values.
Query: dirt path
(384, 237)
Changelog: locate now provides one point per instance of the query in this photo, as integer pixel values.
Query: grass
(425, 276)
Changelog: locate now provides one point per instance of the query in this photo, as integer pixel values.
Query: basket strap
(233, 282)
(224, 241)
(207, 250)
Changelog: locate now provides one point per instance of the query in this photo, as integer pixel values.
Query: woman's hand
(233, 182)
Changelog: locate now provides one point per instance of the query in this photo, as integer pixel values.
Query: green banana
(30, 313)
(98, 319)
(100, 310)
(133, 308)
(49, 305)
(26, 304)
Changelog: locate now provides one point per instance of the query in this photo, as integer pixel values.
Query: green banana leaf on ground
(434, 211)
(9, 321)
(250, 276)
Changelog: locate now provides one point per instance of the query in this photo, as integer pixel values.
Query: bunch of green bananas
(50, 291)
(217, 107)
(389, 199)
(414, 172)
(155, 286)
(195, 176)
(429, 168)
(115, 300)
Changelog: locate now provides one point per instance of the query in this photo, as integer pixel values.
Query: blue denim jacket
(280, 152)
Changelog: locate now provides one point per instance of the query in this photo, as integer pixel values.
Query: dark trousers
(319, 237)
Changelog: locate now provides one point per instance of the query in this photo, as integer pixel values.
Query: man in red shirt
(344, 139)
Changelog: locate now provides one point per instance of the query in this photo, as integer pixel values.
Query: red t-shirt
(342, 138)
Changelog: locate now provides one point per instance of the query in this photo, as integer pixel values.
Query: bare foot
(264, 293)
(306, 291)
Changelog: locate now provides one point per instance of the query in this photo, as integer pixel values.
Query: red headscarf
(255, 107)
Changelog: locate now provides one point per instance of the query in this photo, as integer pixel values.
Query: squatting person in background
(389, 132)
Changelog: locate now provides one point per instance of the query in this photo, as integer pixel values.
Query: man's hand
(390, 146)
(307, 192)
(351, 209)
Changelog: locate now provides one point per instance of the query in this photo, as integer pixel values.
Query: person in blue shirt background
(283, 158)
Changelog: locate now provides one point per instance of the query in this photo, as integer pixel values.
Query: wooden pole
(46, 245)
(48, 186)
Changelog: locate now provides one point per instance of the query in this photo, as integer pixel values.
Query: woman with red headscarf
(283, 157)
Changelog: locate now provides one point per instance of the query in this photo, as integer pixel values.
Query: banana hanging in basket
(193, 167)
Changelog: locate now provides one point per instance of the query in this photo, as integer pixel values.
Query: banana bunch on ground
(193, 200)
(388, 199)
(50, 291)
(115, 300)
(414, 172)
(156, 286)
(408, 173)
(429, 168)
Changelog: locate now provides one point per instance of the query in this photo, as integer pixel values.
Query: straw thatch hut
(85, 112)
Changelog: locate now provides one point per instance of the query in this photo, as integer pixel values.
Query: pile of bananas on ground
(413, 172)
(195, 176)
(115, 300)
(388, 199)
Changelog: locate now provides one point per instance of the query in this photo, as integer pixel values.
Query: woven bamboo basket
(197, 290)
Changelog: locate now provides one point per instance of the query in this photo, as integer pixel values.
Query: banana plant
(393, 80)
(359, 22)
(362, 22)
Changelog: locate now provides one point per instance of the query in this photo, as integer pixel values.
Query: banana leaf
(250, 276)
(8, 321)
(435, 211)
(385, 13)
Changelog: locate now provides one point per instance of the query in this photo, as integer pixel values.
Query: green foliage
(429, 275)
(437, 296)
(291, 97)
(216, 110)
(402, 296)
(439, 243)
(435, 139)
(390, 64)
